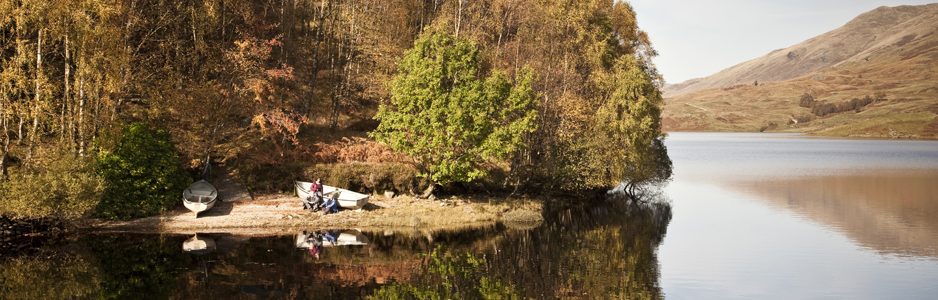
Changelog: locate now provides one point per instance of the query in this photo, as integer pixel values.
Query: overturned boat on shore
(347, 199)
(200, 196)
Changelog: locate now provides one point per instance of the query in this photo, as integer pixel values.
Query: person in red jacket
(315, 201)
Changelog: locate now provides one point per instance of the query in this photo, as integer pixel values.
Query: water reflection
(593, 249)
(327, 238)
(198, 245)
(892, 212)
(601, 249)
(596, 251)
(785, 216)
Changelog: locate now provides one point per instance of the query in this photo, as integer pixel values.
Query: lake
(784, 216)
(745, 216)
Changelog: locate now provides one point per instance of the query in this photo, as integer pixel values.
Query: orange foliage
(357, 149)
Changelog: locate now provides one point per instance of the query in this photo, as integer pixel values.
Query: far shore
(815, 135)
(283, 214)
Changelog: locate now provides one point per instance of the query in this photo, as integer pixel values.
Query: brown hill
(889, 55)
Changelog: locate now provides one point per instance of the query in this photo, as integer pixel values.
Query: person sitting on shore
(317, 188)
(317, 194)
(314, 201)
(331, 205)
(310, 203)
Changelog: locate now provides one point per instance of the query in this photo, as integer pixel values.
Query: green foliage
(628, 142)
(452, 120)
(369, 177)
(67, 187)
(142, 174)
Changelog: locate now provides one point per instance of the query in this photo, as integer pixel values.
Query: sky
(699, 38)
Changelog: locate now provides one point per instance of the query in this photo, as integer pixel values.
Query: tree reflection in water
(604, 249)
(594, 249)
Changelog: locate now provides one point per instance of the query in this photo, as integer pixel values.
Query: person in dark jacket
(331, 204)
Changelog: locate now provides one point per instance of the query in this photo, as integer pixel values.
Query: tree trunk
(36, 106)
(19, 129)
(4, 122)
(96, 114)
(458, 16)
(62, 127)
(81, 116)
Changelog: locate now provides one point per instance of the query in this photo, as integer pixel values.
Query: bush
(67, 188)
(768, 126)
(807, 101)
(369, 177)
(855, 104)
(142, 174)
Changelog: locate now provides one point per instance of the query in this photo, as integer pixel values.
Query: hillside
(889, 54)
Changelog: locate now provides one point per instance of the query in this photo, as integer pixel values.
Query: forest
(109, 107)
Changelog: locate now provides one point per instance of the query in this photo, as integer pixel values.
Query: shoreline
(816, 135)
(282, 214)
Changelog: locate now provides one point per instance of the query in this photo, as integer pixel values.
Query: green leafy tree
(454, 122)
(627, 127)
(142, 174)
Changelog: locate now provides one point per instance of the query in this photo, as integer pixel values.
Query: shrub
(142, 174)
(855, 104)
(369, 177)
(807, 101)
(768, 126)
(66, 188)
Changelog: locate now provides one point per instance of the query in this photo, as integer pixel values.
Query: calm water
(788, 217)
(746, 216)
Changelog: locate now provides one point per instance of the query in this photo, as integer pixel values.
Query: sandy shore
(280, 214)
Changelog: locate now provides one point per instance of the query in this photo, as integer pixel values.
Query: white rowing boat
(200, 196)
(347, 199)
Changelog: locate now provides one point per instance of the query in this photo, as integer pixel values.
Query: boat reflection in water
(351, 237)
(199, 245)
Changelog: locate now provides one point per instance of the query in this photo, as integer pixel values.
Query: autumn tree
(627, 126)
(583, 52)
(452, 118)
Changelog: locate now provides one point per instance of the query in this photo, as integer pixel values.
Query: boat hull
(347, 199)
(197, 207)
(200, 196)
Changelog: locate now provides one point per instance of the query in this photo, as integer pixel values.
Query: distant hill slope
(890, 52)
